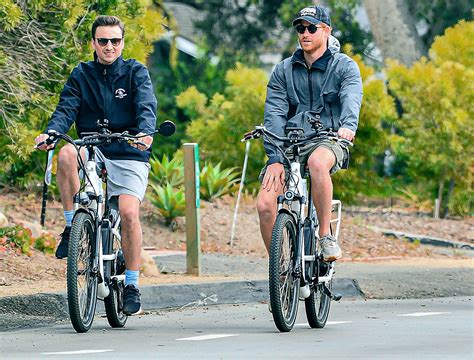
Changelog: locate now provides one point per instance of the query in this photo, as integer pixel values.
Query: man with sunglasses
(120, 91)
(316, 80)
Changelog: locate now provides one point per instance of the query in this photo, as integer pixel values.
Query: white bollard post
(232, 234)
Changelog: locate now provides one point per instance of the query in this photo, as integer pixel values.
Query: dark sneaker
(131, 300)
(330, 249)
(61, 251)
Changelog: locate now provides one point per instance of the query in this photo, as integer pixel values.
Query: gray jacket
(335, 93)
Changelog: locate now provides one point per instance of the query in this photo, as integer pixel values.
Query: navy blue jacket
(121, 93)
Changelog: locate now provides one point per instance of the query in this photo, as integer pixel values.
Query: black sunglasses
(311, 28)
(105, 41)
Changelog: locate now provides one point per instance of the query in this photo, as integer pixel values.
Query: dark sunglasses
(105, 41)
(311, 28)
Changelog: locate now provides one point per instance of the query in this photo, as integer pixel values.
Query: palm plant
(167, 171)
(216, 183)
(170, 202)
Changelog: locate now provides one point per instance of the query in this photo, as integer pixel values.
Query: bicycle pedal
(337, 297)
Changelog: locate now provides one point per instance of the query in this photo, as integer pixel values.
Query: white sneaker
(330, 249)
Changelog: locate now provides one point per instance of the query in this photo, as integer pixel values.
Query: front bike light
(289, 195)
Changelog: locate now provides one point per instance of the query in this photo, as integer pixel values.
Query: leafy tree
(377, 112)
(40, 43)
(437, 97)
(437, 15)
(218, 123)
(170, 78)
(241, 30)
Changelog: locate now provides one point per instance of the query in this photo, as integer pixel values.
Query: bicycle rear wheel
(317, 306)
(114, 302)
(81, 280)
(283, 285)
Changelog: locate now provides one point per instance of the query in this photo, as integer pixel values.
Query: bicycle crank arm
(335, 297)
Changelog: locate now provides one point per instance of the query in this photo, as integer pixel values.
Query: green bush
(45, 243)
(170, 202)
(216, 183)
(21, 238)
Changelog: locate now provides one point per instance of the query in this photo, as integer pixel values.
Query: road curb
(423, 239)
(165, 296)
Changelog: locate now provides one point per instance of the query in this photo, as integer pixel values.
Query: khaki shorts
(340, 152)
(128, 177)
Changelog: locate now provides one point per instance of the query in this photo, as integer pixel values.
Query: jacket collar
(321, 63)
(111, 69)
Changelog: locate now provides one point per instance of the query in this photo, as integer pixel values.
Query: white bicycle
(296, 267)
(95, 262)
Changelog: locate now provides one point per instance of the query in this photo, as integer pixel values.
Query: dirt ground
(21, 274)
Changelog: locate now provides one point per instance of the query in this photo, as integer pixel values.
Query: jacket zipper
(310, 89)
(106, 97)
(332, 118)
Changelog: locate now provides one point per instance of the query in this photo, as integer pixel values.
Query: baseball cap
(313, 15)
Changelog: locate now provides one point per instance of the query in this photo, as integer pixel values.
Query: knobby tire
(81, 282)
(283, 286)
(317, 306)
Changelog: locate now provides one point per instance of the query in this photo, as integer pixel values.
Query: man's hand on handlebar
(274, 174)
(41, 139)
(142, 143)
(345, 133)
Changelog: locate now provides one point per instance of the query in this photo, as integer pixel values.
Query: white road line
(207, 337)
(327, 323)
(417, 314)
(76, 352)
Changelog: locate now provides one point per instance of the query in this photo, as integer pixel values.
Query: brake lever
(254, 134)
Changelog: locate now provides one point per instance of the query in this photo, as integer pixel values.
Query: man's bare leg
(67, 176)
(320, 163)
(131, 231)
(267, 211)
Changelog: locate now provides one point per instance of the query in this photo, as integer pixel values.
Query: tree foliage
(40, 43)
(377, 112)
(437, 15)
(437, 132)
(218, 123)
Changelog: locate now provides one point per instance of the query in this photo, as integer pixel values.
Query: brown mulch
(358, 240)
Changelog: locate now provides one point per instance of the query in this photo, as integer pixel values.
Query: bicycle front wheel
(283, 285)
(81, 280)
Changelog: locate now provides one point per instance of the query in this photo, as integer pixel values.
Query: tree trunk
(439, 199)
(448, 195)
(393, 27)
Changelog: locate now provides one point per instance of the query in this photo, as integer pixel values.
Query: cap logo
(308, 11)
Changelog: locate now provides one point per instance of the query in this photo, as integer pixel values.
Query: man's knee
(321, 162)
(266, 206)
(67, 157)
(129, 209)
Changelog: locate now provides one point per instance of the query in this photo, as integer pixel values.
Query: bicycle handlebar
(167, 128)
(261, 130)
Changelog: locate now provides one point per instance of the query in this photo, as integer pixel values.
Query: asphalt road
(440, 328)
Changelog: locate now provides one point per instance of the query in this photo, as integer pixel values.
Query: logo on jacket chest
(120, 93)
